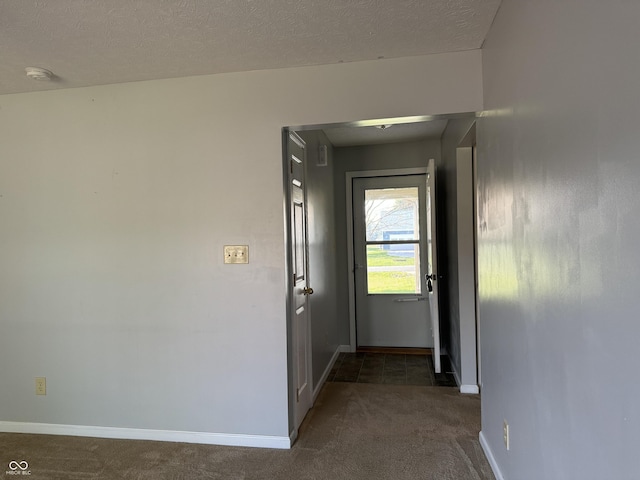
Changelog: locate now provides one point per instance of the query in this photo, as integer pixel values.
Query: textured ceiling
(348, 136)
(93, 42)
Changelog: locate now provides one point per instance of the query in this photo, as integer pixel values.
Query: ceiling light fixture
(384, 127)
(37, 73)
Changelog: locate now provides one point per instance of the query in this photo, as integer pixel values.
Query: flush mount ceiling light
(37, 73)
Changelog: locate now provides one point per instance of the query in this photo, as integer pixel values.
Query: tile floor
(391, 368)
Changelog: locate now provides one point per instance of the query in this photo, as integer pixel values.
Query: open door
(296, 157)
(432, 263)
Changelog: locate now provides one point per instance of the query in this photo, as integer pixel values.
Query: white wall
(115, 203)
(457, 297)
(467, 375)
(559, 256)
(322, 255)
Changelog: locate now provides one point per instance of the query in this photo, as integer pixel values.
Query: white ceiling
(94, 42)
(349, 136)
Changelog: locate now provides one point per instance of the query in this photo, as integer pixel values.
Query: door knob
(307, 291)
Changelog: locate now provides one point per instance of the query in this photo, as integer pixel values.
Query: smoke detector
(383, 127)
(37, 73)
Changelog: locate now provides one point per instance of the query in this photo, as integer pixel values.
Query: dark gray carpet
(355, 431)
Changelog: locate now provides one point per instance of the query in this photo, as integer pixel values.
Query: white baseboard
(325, 374)
(467, 389)
(293, 436)
(490, 458)
(229, 439)
(470, 389)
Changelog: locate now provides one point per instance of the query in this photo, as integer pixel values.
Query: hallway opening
(334, 155)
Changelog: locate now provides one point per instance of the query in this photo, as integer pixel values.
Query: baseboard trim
(470, 389)
(325, 374)
(345, 348)
(490, 458)
(228, 439)
(396, 350)
(464, 388)
(293, 436)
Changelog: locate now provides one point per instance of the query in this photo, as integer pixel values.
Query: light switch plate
(236, 254)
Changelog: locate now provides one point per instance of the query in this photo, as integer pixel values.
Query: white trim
(229, 439)
(325, 375)
(470, 389)
(349, 176)
(351, 263)
(293, 436)
(464, 388)
(490, 458)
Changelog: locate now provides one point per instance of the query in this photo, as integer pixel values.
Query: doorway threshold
(396, 350)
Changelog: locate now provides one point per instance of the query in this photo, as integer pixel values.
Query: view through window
(393, 240)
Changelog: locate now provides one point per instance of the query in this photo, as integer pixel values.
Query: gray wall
(371, 157)
(447, 177)
(558, 174)
(115, 204)
(322, 254)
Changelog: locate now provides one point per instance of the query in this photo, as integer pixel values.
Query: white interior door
(432, 265)
(301, 289)
(389, 232)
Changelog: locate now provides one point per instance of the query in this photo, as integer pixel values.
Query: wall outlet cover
(505, 435)
(41, 386)
(236, 254)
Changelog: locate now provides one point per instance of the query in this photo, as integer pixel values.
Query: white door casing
(300, 315)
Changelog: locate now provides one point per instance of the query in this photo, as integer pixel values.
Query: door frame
(349, 176)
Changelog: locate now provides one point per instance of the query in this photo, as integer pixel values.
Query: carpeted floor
(355, 431)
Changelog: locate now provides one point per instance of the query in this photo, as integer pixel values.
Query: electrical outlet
(41, 386)
(505, 434)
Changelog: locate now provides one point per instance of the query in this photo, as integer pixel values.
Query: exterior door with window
(390, 252)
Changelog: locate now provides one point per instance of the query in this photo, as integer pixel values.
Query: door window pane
(391, 214)
(393, 269)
